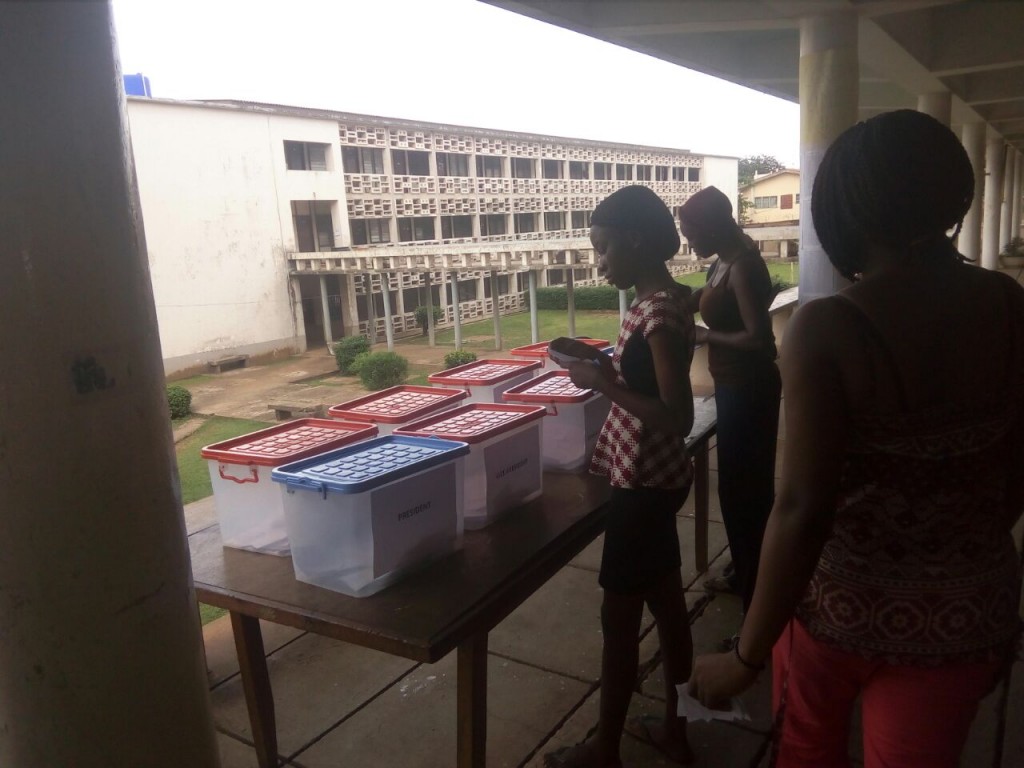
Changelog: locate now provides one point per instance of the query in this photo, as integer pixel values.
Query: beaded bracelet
(744, 662)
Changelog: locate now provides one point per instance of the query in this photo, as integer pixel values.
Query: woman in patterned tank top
(642, 451)
(889, 571)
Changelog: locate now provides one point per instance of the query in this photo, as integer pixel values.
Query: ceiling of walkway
(972, 48)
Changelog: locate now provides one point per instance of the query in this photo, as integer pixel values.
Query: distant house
(772, 198)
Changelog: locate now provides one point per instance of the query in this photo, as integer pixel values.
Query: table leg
(700, 506)
(259, 699)
(472, 702)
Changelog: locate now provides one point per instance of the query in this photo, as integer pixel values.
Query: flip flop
(637, 727)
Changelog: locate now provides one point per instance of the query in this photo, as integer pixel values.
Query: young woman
(741, 358)
(889, 571)
(642, 451)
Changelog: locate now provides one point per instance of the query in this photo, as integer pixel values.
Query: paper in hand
(692, 709)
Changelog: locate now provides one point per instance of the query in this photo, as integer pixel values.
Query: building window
(525, 222)
(314, 227)
(304, 156)
(623, 172)
(661, 173)
(643, 173)
(797, 198)
(578, 170)
(493, 224)
(367, 231)
(408, 162)
(488, 166)
(522, 168)
(771, 201)
(416, 228)
(602, 170)
(693, 174)
(786, 202)
(362, 160)
(554, 221)
(451, 164)
(456, 226)
(678, 174)
(551, 169)
(580, 219)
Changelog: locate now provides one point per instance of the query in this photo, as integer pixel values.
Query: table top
(430, 611)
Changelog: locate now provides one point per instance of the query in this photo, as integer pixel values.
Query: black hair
(636, 208)
(900, 179)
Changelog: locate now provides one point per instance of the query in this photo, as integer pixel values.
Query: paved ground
(338, 705)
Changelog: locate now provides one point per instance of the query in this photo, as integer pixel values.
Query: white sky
(448, 61)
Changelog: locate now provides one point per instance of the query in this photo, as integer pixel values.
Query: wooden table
(451, 604)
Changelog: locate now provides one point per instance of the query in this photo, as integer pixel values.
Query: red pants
(913, 717)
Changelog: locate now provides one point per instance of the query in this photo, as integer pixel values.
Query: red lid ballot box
(573, 422)
(249, 504)
(503, 468)
(391, 408)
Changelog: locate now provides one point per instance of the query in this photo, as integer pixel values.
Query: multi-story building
(263, 220)
(770, 212)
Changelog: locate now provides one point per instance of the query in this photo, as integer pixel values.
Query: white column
(101, 659)
(937, 104)
(969, 242)
(623, 305)
(427, 284)
(994, 161)
(371, 308)
(456, 315)
(325, 308)
(570, 297)
(534, 326)
(389, 327)
(828, 106)
(1005, 213)
(1018, 184)
(496, 309)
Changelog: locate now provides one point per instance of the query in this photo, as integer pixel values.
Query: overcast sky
(448, 61)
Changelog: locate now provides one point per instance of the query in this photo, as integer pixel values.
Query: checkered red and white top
(630, 454)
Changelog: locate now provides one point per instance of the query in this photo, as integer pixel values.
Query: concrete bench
(286, 411)
(226, 363)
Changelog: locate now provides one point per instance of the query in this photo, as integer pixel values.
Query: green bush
(458, 357)
(421, 317)
(346, 350)
(179, 401)
(589, 297)
(379, 370)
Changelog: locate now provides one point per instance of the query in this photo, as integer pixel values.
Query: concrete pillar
(456, 314)
(994, 160)
(389, 326)
(828, 106)
(1018, 185)
(371, 308)
(784, 249)
(496, 308)
(534, 326)
(969, 241)
(570, 297)
(101, 657)
(937, 104)
(349, 306)
(1005, 217)
(325, 309)
(623, 305)
(428, 285)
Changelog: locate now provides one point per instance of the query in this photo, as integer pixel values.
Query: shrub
(346, 350)
(379, 370)
(179, 401)
(421, 317)
(458, 357)
(587, 297)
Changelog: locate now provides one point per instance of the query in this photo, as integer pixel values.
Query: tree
(757, 164)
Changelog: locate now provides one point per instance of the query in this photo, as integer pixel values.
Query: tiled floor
(340, 705)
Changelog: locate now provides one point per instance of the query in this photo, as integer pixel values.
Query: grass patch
(515, 330)
(208, 613)
(192, 381)
(192, 468)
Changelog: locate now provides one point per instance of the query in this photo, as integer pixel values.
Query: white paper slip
(692, 709)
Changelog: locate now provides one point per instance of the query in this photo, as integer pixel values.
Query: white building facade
(261, 221)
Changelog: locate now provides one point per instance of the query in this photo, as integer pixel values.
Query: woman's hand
(717, 677)
(700, 335)
(586, 375)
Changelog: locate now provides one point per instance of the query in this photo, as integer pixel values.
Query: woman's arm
(671, 412)
(817, 425)
(743, 278)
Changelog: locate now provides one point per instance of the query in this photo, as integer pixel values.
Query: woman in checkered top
(642, 452)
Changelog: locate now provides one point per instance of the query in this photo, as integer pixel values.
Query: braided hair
(901, 179)
(639, 209)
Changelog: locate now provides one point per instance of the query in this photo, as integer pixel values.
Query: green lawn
(192, 468)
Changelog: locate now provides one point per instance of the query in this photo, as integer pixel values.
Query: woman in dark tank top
(741, 358)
